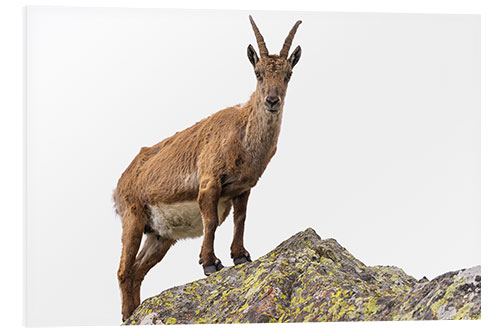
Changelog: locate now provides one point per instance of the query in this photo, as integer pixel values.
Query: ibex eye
(257, 74)
(288, 75)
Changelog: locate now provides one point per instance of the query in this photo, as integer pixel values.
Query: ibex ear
(294, 58)
(252, 55)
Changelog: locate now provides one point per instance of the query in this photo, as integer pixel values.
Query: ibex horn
(260, 40)
(288, 41)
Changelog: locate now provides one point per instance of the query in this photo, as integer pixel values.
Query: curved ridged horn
(260, 40)
(288, 41)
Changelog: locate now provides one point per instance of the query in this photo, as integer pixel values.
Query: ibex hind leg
(152, 252)
(133, 227)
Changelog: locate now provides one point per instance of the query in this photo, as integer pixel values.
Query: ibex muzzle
(273, 100)
(186, 185)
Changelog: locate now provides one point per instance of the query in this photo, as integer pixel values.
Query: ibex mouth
(273, 110)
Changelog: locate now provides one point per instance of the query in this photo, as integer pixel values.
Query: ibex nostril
(272, 100)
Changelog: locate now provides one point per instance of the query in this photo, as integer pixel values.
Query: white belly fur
(182, 219)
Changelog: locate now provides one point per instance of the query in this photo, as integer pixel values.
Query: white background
(11, 139)
(380, 145)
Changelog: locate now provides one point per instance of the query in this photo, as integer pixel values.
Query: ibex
(186, 185)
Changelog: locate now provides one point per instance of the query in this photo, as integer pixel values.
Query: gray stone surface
(306, 279)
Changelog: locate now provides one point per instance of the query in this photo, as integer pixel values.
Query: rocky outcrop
(306, 279)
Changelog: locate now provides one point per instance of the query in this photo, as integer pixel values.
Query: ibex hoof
(242, 260)
(213, 268)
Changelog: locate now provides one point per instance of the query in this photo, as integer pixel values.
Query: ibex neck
(262, 131)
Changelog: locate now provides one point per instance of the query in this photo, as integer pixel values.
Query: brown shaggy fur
(222, 156)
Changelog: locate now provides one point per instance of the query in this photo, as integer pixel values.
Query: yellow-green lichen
(170, 321)
(463, 312)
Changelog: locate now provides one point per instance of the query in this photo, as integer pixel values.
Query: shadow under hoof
(213, 268)
(242, 260)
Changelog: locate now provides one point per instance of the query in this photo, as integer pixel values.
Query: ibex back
(185, 186)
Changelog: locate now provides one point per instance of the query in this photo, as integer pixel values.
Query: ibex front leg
(208, 201)
(238, 252)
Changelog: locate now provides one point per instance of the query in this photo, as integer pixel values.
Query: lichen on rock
(307, 279)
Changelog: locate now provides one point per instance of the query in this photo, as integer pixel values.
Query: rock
(306, 279)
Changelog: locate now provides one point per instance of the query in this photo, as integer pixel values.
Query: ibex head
(273, 72)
